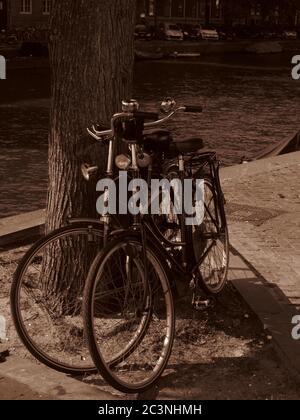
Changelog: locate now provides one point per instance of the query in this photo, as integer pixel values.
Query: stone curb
(45, 381)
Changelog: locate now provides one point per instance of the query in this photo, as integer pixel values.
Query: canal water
(249, 103)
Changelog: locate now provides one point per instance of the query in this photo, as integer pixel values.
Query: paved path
(13, 390)
(24, 379)
(263, 203)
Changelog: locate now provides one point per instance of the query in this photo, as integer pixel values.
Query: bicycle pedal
(202, 304)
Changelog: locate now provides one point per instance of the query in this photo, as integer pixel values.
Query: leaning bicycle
(128, 298)
(47, 287)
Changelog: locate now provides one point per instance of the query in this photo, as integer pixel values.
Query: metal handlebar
(103, 135)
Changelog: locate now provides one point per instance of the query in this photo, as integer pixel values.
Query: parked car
(142, 32)
(33, 49)
(208, 34)
(190, 32)
(170, 31)
(270, 34)
(289, 34)
(226, 33)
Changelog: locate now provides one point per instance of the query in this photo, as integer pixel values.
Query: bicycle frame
(150, 231)
(147, 226)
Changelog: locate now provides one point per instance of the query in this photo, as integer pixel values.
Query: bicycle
(45, 308)
(47, 287)
(128, 306)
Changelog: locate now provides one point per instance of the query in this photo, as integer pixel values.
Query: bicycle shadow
(261, 315)
(223, 378)
(207, 362)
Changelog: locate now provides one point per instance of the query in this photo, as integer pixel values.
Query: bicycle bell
(167, 105)
(130, 105)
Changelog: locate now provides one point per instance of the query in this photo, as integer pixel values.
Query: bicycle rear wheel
(211, 243)
(129, 315)
(46, 297)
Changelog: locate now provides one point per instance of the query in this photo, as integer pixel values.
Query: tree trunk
(91, 55)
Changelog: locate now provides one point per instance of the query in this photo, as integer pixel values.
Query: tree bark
(91, 55)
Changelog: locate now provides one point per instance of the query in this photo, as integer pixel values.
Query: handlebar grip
(101, 127)
(194, 108)
(147, 115)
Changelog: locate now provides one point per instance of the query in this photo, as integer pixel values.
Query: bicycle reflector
(123, 162)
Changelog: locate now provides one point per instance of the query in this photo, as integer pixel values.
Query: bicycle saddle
(191, 145)
(157, 141)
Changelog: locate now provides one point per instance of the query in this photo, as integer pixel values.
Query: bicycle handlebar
(193, 109)
(147, 115)
(125, 116)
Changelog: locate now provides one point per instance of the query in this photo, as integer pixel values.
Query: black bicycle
(47, 287)
(128, 301)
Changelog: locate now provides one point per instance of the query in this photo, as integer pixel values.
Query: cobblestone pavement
(263, 206)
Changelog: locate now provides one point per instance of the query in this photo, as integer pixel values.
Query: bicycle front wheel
(129, 315)
(46, 297)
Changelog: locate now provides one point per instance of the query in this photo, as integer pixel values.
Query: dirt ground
(220, 352)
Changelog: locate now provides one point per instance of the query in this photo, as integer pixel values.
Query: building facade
(25, 13)
(182, 11)
(35, 13)
(262, 12)
(219, 12)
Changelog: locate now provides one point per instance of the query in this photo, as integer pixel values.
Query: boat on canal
(288, 145)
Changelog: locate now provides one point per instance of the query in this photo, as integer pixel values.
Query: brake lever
(101, 132)
(94, 135)
(95, 129)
